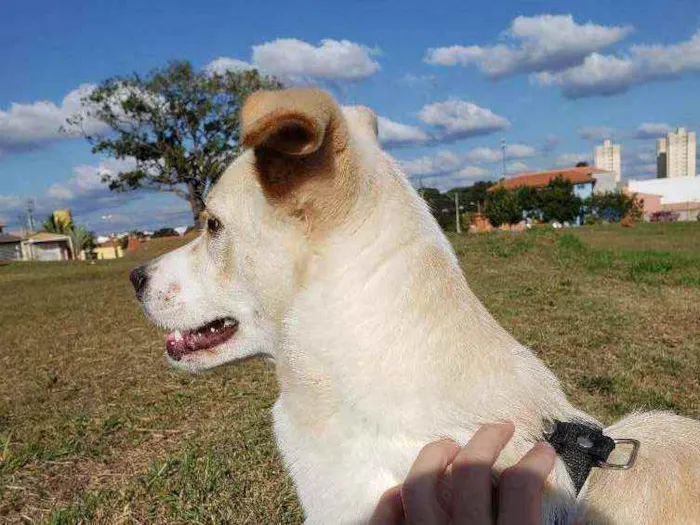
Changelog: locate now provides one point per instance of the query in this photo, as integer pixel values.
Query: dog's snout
(139, 278)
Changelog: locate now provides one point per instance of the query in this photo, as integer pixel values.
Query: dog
(318, 253)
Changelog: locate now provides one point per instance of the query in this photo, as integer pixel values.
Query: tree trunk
(196, 200)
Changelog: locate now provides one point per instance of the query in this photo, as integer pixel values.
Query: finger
(419, 492)
(472, 483)
(389, 510)
(520, 487)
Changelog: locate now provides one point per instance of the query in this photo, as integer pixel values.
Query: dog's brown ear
(303, 157)
(292, 122)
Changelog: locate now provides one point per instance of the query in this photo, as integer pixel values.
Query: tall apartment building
(607, 157)
(675, 154)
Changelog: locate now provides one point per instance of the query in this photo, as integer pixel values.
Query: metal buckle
(630, 461)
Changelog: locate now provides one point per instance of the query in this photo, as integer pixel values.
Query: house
(679, 195)
(10, 246)
(108, 249)
(583, 179)
(45, 246)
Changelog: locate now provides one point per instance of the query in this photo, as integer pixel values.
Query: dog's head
(222, 296)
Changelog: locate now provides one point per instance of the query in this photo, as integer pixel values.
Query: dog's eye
(213, 225)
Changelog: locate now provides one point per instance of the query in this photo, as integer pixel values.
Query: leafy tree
(180, 127)
(582, 164)
(473, 197)
(558, 202)
(165, 232)
(502, 207)
(614, 205)
(442, 206)
(529, 201)
(52, 225)
(81, 239)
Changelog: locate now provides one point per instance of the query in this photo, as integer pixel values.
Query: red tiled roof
(539, 179)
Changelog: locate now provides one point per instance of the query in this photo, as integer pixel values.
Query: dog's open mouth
(179, 344)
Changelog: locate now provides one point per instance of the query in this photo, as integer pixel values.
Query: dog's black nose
(139, 278)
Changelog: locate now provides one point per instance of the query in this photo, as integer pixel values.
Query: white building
(607, 157)
(675, 155)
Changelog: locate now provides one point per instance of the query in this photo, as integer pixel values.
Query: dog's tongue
(208, 336)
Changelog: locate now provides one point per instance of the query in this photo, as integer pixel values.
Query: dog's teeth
(178, 335)
(212, 330)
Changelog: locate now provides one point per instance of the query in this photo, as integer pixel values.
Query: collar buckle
(630, 461)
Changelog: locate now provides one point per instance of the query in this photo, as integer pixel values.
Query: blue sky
(449, 80)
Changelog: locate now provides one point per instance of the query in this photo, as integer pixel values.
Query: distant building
(680, 195)
(583, 178)
(661, 158)
(45, 246)
(675, 155)
(108, 249)
(10, 246)
(607, 157)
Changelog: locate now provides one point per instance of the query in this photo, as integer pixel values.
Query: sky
(449, 80)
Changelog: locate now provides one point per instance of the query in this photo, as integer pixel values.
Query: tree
(529, 201)
(441, 205)
(582, 164)
(473, 197)
(53, 225)
(502, 207)
(179, 127)
(612, 206)
(558, 201)
(81, 239)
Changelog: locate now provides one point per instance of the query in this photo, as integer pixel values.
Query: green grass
(94, 428)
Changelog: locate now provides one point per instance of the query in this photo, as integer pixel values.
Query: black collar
(581, 447)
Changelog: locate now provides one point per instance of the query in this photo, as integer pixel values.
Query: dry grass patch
(94, 428)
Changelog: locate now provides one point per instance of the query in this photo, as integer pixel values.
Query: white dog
(319, 253)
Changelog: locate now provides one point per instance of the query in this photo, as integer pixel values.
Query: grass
(94, 428)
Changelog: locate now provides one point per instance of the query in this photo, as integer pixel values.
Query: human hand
(452, 485)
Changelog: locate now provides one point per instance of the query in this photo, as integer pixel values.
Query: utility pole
(30, 215)
(457, 221)
(503, 155)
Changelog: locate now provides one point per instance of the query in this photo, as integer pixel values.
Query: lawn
(95, 428)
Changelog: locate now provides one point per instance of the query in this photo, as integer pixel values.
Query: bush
(502, 207)
(613, 206)
(165, 232)
(664, 216)
(557, 201)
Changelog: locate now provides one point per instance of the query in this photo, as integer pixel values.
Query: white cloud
(595, 132)
(489, 155)
(463, 177)
(223, 64)
(11, 202)
(569, 160)
(652, 130)
(411, 79)
(520, 151)
(441, 163)
(86, 179)
(456, 119)
(27, 126)
(395, 134)
(542, 43)
(610, 75)
(449, 163)
(330, 60)
(516, 167)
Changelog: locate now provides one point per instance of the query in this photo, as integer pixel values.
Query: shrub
(165, 232)
(502, 207)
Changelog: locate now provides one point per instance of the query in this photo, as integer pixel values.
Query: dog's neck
(386, 319)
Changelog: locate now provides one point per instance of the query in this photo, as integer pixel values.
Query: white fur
(380, 345)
